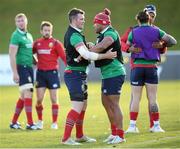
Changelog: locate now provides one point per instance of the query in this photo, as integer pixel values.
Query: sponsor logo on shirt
(44, 51)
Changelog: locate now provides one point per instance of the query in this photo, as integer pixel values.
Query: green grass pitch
(96, 122)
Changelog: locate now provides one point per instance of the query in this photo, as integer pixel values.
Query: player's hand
(16, 77)
(158, 45)
(110, 54)
(89, 45)
(78, 59)
(132, 49)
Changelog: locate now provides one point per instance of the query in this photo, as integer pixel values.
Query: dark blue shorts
(26, 78)
(48, 79)
(139, 76)
(112, 86)
(76, 82)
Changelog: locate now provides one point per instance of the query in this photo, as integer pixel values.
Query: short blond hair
(46, 23)
(19, 15)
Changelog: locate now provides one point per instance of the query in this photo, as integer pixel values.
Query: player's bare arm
(170, 40)
(105, 43)
(132, 48)
(12, 53)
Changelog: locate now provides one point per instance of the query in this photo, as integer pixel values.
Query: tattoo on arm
(154, 108)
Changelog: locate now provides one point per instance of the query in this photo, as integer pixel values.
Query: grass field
(96, 123)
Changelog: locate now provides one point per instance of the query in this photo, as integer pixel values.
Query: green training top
(115, 68)
(24, 42)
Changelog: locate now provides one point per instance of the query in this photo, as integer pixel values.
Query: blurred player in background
(112, 72)
(75, 76)
(21, 59)
(48, 50)
(147, 39)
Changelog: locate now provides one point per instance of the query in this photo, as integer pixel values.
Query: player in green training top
(75, 75)
(113, 74)
(21, 59)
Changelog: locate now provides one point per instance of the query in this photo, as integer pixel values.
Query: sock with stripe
(70, 121)
(18, 109)
(28, 109)
(79, 125)
(39, 110)
(55, 109)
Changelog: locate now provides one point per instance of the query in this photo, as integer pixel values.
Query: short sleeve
(161, 33)
(130, 37)
(14, 39)
(76, 39)
(112, 34)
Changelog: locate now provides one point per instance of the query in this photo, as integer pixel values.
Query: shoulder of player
(38, 40)
(55, 41)
(76, 34)
(15, 34)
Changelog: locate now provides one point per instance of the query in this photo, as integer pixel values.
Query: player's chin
(46, 36)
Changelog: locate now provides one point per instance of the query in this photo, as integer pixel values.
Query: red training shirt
(48, 51)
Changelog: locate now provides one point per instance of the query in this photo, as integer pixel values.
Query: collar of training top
(79, 30)
(103, 31)
(22, 32)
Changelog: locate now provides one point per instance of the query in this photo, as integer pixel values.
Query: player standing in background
(113, 74)
(144, 72)
(48, 50)
(21, 59)
(75, 76)
(151, 10)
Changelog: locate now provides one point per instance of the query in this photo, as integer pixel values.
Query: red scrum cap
(103, 18)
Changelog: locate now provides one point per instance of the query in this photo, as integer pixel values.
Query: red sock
(120, 133)
(39, 109)
(79, 125)
(113, 129)
(155, 116)
(28, 109)
(55, 108)
(151, 120)
(133, 116)
(19, 107)
(70, 121)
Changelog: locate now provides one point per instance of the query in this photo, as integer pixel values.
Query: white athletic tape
(25, 86)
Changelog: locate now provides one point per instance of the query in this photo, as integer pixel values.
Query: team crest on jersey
(38, 44)
(51, 44)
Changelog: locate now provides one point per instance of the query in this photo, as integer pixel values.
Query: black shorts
(76, 82)
(48, 79)
(112, 86)
(141, 75)
(26, 78)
